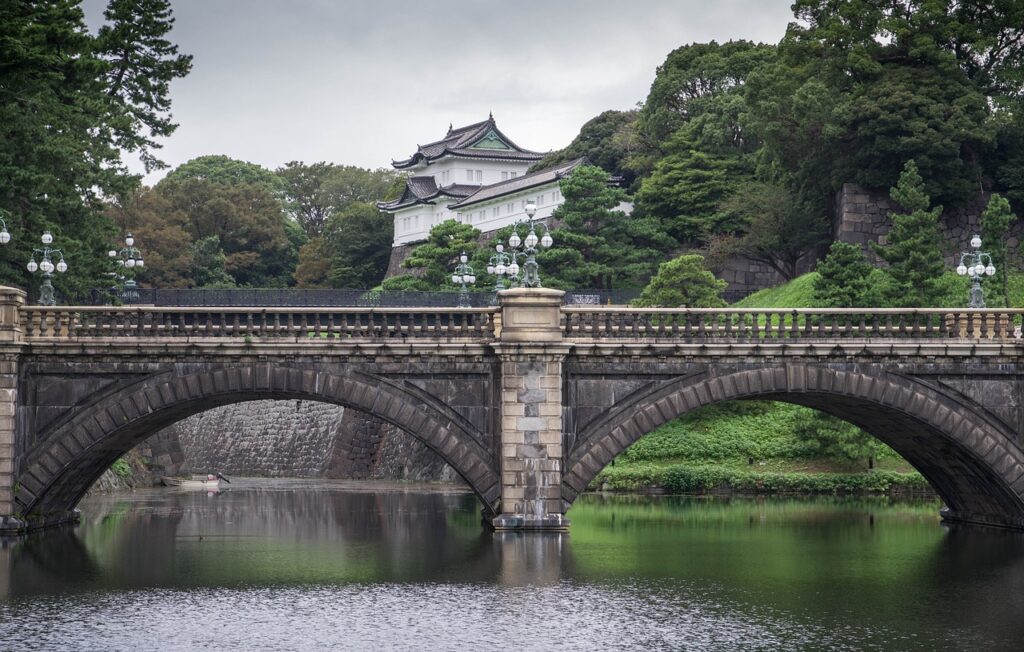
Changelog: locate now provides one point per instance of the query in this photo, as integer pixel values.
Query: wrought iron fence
(288, 297)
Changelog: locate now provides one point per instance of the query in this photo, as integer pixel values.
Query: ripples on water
(307, 567)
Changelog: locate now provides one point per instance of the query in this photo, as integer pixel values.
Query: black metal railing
(294, 297)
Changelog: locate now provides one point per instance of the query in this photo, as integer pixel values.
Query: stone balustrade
(76, 322)
(752, 324)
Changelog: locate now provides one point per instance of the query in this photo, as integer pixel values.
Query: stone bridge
(527, 400)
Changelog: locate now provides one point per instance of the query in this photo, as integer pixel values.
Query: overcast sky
(363, 83)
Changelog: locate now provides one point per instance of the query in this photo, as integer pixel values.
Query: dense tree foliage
(214, 202)
(693, 147)
(247, 220)
(683, 282)
(860, 86)
(317, 191)
(827, 436)
(70, 104)
(699, 87)
(913, 252)
(224, 170)
(606, 141)
(353, 252)
(772, 226)
(686, 190)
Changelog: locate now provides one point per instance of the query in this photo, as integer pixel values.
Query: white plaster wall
(481, 216)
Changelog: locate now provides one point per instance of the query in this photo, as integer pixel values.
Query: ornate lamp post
(977, 264)
(47, 267)
(463, 275)
(531, 273)
(128, 258)
(503, 265)
(5, 235)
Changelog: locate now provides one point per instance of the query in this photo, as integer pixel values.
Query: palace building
(475, 175)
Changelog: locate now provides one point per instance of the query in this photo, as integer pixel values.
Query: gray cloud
(361, 82)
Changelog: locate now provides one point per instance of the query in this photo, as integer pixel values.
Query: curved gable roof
(461, 141)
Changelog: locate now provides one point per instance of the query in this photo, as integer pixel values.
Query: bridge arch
(970, 458)
(76, 451)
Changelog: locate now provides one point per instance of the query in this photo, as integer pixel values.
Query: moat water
(290, 565)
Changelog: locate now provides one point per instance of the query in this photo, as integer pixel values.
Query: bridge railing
(75, 322)
(791, 324)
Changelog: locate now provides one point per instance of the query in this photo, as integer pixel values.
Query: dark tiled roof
(421, 190)
(457, 142)
(525, 182)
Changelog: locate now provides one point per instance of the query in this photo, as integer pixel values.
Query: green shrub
(683, 479)
(121, 468)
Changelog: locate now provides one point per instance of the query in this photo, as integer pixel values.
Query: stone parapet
(11, 301)
(531, 315)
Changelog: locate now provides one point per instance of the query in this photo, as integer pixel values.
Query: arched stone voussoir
(971, 459)
(55, 479)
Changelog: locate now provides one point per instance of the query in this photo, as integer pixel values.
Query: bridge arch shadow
(972, 460)
(77, 450)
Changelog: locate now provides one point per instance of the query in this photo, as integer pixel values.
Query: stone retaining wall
(297, 439)
(862, 217)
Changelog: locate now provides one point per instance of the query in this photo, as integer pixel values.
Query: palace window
(495, 211)
(513, 175)
(469, 175)
(504, 176)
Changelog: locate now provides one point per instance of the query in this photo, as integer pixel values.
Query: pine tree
(913, 253)
(598, 246)
(843, 278)
(683, 282)
(995, 227)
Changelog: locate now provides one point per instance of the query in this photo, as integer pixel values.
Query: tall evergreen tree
(913, 252)
(70, 103)
(844, 278)
(995, 232)
(597, 246)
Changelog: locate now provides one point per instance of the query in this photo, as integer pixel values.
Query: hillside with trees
(738, 150)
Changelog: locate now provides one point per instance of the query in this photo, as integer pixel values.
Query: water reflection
(634, 573)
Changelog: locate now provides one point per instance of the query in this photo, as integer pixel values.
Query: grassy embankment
(751, 446)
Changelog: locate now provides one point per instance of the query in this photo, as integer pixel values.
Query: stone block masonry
(295, 438)
(863, 217)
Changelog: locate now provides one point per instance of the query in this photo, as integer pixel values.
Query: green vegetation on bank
(754, 447)
(953, 289)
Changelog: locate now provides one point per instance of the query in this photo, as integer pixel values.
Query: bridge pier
(11, 300)
(531, 457)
